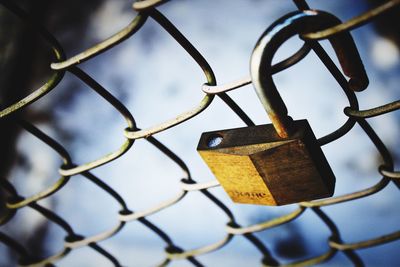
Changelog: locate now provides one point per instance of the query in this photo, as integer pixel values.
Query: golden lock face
(256, 166)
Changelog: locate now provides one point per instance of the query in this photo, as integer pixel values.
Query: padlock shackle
(299, 22)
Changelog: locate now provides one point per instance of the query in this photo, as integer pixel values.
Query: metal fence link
(146, 10)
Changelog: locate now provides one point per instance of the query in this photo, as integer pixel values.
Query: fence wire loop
(59, 55)
(352, 23)
(278, 67)
(320, 25)
(145, 4)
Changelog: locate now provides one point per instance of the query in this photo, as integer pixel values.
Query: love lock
(279, 163)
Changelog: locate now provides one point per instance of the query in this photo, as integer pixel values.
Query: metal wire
(354, 22)
(233, 229)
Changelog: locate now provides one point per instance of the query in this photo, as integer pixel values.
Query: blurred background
(157, 80)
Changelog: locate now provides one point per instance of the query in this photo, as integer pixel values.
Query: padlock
(279, 163)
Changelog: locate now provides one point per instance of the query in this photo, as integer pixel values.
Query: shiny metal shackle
(299, 22)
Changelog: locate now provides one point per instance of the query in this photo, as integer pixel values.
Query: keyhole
(214, 140)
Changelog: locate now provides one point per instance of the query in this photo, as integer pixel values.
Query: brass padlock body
(256, 166)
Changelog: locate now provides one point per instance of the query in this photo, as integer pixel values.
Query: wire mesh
(73, 240)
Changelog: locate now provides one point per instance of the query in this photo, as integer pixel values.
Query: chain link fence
(73, 240)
